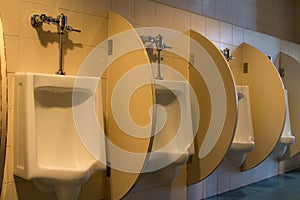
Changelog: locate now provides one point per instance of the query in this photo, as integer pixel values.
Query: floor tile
(285, 186)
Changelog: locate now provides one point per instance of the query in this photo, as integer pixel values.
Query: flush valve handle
(70, 29)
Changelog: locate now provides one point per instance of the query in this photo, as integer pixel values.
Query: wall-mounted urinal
(47, 147)
(173, 139)
(243, 141)
(286, 138)
(290, 70)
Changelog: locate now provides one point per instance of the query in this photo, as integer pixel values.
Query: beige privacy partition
(212, 138)
(267, 104)
(121, 179)
(291, 80)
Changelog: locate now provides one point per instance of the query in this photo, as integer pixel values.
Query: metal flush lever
(70, 28)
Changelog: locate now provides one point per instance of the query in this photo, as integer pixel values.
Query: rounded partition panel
(290, 69)
(217, 104)
(138, 105)
(267, 104)
(128, 98)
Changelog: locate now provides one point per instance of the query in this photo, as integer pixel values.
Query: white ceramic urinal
(47, 147)
(243, 141)
(172, 144)
(286, 138)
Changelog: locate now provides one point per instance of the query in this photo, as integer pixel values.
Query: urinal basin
(287, 140)
(244, 137)
(173, 119)
(173, 139)
(243, 141)
(241, 146)
(286, 137)
(47, 144)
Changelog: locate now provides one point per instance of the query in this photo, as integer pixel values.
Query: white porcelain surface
(243, 141)
(242, 146)
(173, 127)
(48, 148)
(244, 137)
(286, 138)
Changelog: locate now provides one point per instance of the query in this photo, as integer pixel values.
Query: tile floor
(285, 186)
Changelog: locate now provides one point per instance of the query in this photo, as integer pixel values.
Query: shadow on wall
(92, 189)
(46, 37)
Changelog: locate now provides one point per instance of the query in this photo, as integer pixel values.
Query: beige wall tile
(73, 58)
(95, 30)
(124, 8)
(43, 2)
(237, 36)
(144, 12)
(10, 13)
(198, 23)
(226, 33)
(249, 36)
(97, 7)
(164, 16)
(212, 29)
(72, 5)
(264, 16)
(36, 57)
(182, 20)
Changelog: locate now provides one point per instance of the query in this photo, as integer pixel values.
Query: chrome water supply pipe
(160, 45)
(226, 54)
(61, 22)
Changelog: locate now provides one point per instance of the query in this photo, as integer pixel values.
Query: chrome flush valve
(61, 22)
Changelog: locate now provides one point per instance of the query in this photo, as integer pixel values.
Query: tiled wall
(274, 17)
(28, 51)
